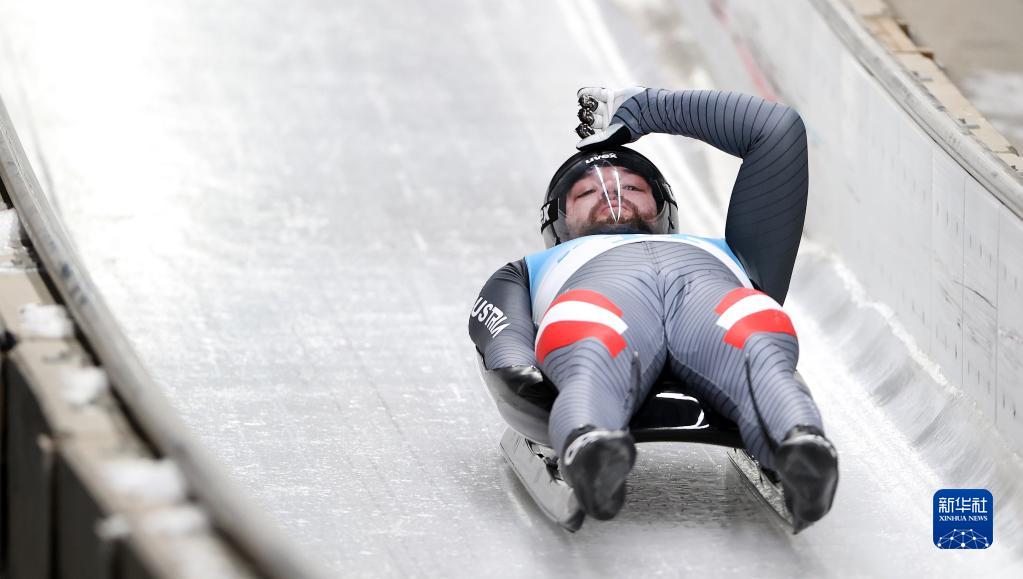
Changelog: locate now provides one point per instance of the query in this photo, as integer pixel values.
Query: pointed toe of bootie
(807, 464)
(596, 464)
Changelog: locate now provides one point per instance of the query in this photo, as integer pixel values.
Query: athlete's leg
(713, 326)
(739, 350)
(601, 343)
(609, 313)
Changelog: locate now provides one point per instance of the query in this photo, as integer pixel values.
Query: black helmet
(552, 213)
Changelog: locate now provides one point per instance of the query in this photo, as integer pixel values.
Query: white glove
(597, 108)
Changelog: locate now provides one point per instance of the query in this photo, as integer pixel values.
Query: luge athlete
(619, 297)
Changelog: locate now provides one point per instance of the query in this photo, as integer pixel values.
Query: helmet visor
(611, 177)
(601, 180)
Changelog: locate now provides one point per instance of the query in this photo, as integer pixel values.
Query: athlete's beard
(634, 224)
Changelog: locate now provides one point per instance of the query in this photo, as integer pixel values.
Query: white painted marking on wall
(858, 295)
(420, 241)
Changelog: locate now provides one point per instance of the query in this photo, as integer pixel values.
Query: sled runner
(670, 414)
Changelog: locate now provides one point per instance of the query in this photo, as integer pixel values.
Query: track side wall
(910, 187)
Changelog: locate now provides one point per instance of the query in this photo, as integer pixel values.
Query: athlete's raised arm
(768, 202)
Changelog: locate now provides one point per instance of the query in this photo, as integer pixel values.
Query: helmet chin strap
(617, 229)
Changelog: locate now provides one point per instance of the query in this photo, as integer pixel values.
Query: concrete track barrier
(99, 478)
(915, 211)
(910, 187)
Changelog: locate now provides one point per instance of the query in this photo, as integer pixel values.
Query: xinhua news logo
(964, 519)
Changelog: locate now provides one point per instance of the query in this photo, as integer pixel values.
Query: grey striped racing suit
(584, 310)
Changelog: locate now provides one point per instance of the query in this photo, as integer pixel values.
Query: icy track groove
(290, 207)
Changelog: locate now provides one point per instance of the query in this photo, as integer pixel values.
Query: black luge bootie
(807, 464)
(596, 463)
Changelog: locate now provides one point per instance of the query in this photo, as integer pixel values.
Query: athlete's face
(607, 198)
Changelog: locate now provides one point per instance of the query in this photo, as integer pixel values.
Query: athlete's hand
(599, 125)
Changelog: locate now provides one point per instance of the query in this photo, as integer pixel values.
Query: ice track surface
(290, 207)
